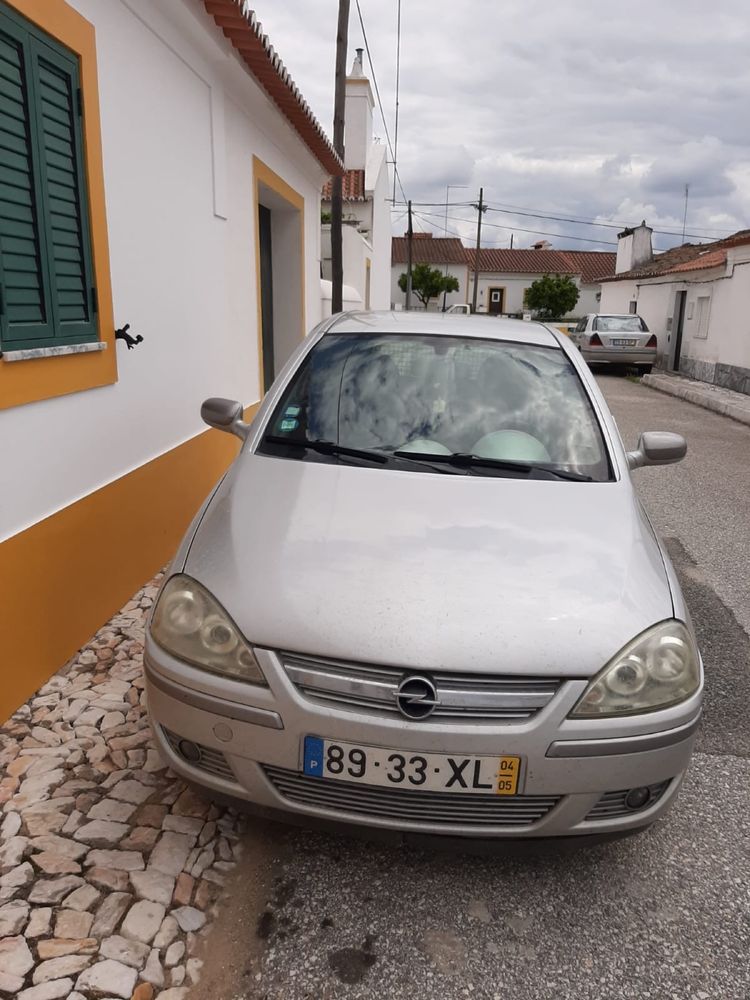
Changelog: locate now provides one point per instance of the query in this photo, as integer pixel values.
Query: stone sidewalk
(711, 397)
(110, 868)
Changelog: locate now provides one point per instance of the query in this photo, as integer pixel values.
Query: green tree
(428, 282)
(552, 296)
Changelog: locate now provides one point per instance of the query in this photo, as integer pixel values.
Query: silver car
(616, 338)
(426, 598)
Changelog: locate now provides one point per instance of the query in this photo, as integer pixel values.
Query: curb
(672, 387)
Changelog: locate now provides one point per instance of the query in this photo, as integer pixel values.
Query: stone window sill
(52, 352)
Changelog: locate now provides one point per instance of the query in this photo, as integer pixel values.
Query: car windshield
(620, 324)
(423, 395)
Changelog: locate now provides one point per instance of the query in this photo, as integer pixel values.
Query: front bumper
(253, 737)
(618, 356)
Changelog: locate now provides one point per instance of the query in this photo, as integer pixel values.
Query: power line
(398, 77)
(516, 211)
(380, 103)
(533, 232)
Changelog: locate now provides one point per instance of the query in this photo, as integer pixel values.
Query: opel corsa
(426, 598)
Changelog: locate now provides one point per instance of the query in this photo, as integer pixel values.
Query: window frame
(28, 376)
(37, 47)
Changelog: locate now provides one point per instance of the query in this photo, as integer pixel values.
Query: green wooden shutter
(25, 299)
(56, 303)
(65, 205)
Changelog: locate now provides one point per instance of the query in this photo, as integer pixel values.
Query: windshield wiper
(467, 461)
(328, 448)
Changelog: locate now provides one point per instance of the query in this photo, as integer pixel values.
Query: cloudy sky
(579, 109)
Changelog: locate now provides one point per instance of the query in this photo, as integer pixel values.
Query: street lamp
(447, 195)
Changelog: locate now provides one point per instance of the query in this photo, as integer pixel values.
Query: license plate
(623, 343)
(430, 772)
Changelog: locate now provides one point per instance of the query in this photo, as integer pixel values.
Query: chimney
(634, 248)
(542, 245)
(358, 117)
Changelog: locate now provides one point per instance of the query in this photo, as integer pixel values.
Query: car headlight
(191, 624)
(659, 668)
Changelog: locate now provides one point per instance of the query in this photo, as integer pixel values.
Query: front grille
(422, 807)
(460, 696)
(612, 804)
(209, 760)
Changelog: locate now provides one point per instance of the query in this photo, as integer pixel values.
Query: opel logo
(416, 697)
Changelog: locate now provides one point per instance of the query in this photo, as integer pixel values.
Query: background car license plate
(623, 343)
(434, 772)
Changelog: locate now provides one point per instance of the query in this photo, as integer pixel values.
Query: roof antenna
(684, 217)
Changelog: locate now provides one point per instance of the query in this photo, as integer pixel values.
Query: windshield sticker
(289, 425)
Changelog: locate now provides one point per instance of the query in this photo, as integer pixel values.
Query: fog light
(192, 753)
(637, 798)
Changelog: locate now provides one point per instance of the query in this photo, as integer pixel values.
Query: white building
(504, 275)
(180, 194)
(695, 298)
(448, 254)
(366, 239)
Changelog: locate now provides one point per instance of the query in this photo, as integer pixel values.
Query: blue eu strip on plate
(313, 756)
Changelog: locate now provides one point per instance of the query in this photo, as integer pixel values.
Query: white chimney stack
(634, 248)
(357, 117)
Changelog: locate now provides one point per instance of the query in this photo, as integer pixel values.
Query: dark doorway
(677, 324)
(496, 301)
(266, 293)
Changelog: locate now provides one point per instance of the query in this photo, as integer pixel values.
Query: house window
(47, 293)
(633, 307)
(704, 301)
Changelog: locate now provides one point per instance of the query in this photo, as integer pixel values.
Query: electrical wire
(398, 79)
(380, 103)
(515, 211)
(519, 229)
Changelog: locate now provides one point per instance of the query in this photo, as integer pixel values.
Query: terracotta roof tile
(245, 32)
(592, 265)
(428, 250)
(521, 261)
(353, 186)
(688, 257)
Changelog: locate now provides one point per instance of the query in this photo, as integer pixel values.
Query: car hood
(431, 571)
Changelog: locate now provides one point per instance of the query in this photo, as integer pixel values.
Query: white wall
(376, 180)
(459, 271)
(181, 119)
(515, 285)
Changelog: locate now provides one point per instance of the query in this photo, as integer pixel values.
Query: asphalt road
(664, 915)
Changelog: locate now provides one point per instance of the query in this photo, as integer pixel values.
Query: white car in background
(621, 339)
(460, 308)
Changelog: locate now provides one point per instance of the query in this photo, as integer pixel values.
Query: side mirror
(225, 415)
(657, 448)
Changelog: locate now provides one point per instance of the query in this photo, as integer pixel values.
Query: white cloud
(578, 109)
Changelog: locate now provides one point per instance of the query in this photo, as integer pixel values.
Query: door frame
(678, 324)
(490, 290)
(264, 177)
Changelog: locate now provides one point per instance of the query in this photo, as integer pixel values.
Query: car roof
(448, 324)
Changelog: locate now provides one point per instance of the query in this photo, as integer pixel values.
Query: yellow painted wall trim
(44, 378)
(64, 577)
(263, 174)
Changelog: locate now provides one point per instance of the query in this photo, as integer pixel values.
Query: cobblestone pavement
(110, 868)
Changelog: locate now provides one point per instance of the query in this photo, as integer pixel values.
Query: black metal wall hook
(122, 334)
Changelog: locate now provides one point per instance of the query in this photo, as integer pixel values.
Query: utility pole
(447, 193)
(684, 217)
(337, 262)
(481, 207)
(409, 235)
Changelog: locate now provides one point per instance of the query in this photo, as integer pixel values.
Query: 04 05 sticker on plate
(429, 772)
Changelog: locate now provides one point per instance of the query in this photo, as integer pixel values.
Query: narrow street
(661, 915)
